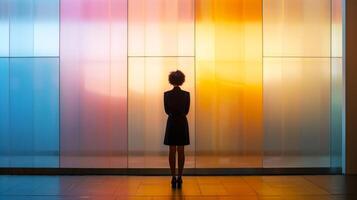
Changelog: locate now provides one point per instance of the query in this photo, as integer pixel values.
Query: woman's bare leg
(181, 159)
(172, 159)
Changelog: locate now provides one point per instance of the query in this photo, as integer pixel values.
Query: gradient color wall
(82, 82)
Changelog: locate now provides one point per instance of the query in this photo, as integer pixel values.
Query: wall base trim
(166, 171)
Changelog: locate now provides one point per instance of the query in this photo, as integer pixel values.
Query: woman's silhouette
(177, 105)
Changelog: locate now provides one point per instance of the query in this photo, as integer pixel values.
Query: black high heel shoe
(179, 182)
(173, 182)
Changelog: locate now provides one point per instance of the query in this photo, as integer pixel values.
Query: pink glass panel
(93, 83)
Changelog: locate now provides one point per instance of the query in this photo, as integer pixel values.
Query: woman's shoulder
(168, 92)
(186, 92)
(171, 91)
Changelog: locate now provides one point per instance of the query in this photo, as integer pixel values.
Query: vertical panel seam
(59, 82)
(127, 83)
(195, 81)
(262, 84)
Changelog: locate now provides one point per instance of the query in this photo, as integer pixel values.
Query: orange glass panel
(229, 83)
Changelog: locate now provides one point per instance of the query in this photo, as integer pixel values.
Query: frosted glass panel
(297, 28)
(21, 18)
(93, 83)
(21, 84)
(46, 112)
(34, 27)
(297, 112)
(336, 28)
(229, 83)
(4, 28)
(32, 130)
(336, 111)
(148, 80)
(161, 28)
(46, 28)
(4, 112)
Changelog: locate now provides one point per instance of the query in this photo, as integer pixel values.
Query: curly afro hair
(176, 78)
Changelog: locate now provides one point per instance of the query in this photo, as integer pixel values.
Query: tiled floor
(194, 187)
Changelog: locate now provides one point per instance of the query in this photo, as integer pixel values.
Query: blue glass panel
(4, 28)
(4, 112)
(46, 112)
(21, 112)
(34, 27)
(34, 112)
(21, 28)
(46, 28)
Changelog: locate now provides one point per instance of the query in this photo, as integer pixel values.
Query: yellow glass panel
(148, 80)
(296, 112)
(161, 28)
(297, 28)
(229, 83)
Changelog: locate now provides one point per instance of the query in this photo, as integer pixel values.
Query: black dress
(177, 105)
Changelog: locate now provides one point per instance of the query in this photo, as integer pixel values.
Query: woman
(177, 105)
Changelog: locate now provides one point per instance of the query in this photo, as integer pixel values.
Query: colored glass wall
(82, 82)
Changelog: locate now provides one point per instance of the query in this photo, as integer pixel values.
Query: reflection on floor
(146, 160)
(297, 161)
(195, 187)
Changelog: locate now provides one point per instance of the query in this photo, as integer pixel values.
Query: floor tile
(343, 197)
(212, 189)
(296, 197)
(283, 185)
(336, 184)
(194, 187)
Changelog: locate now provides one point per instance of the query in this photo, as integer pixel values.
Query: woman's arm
(166, 106)
(187, 105)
